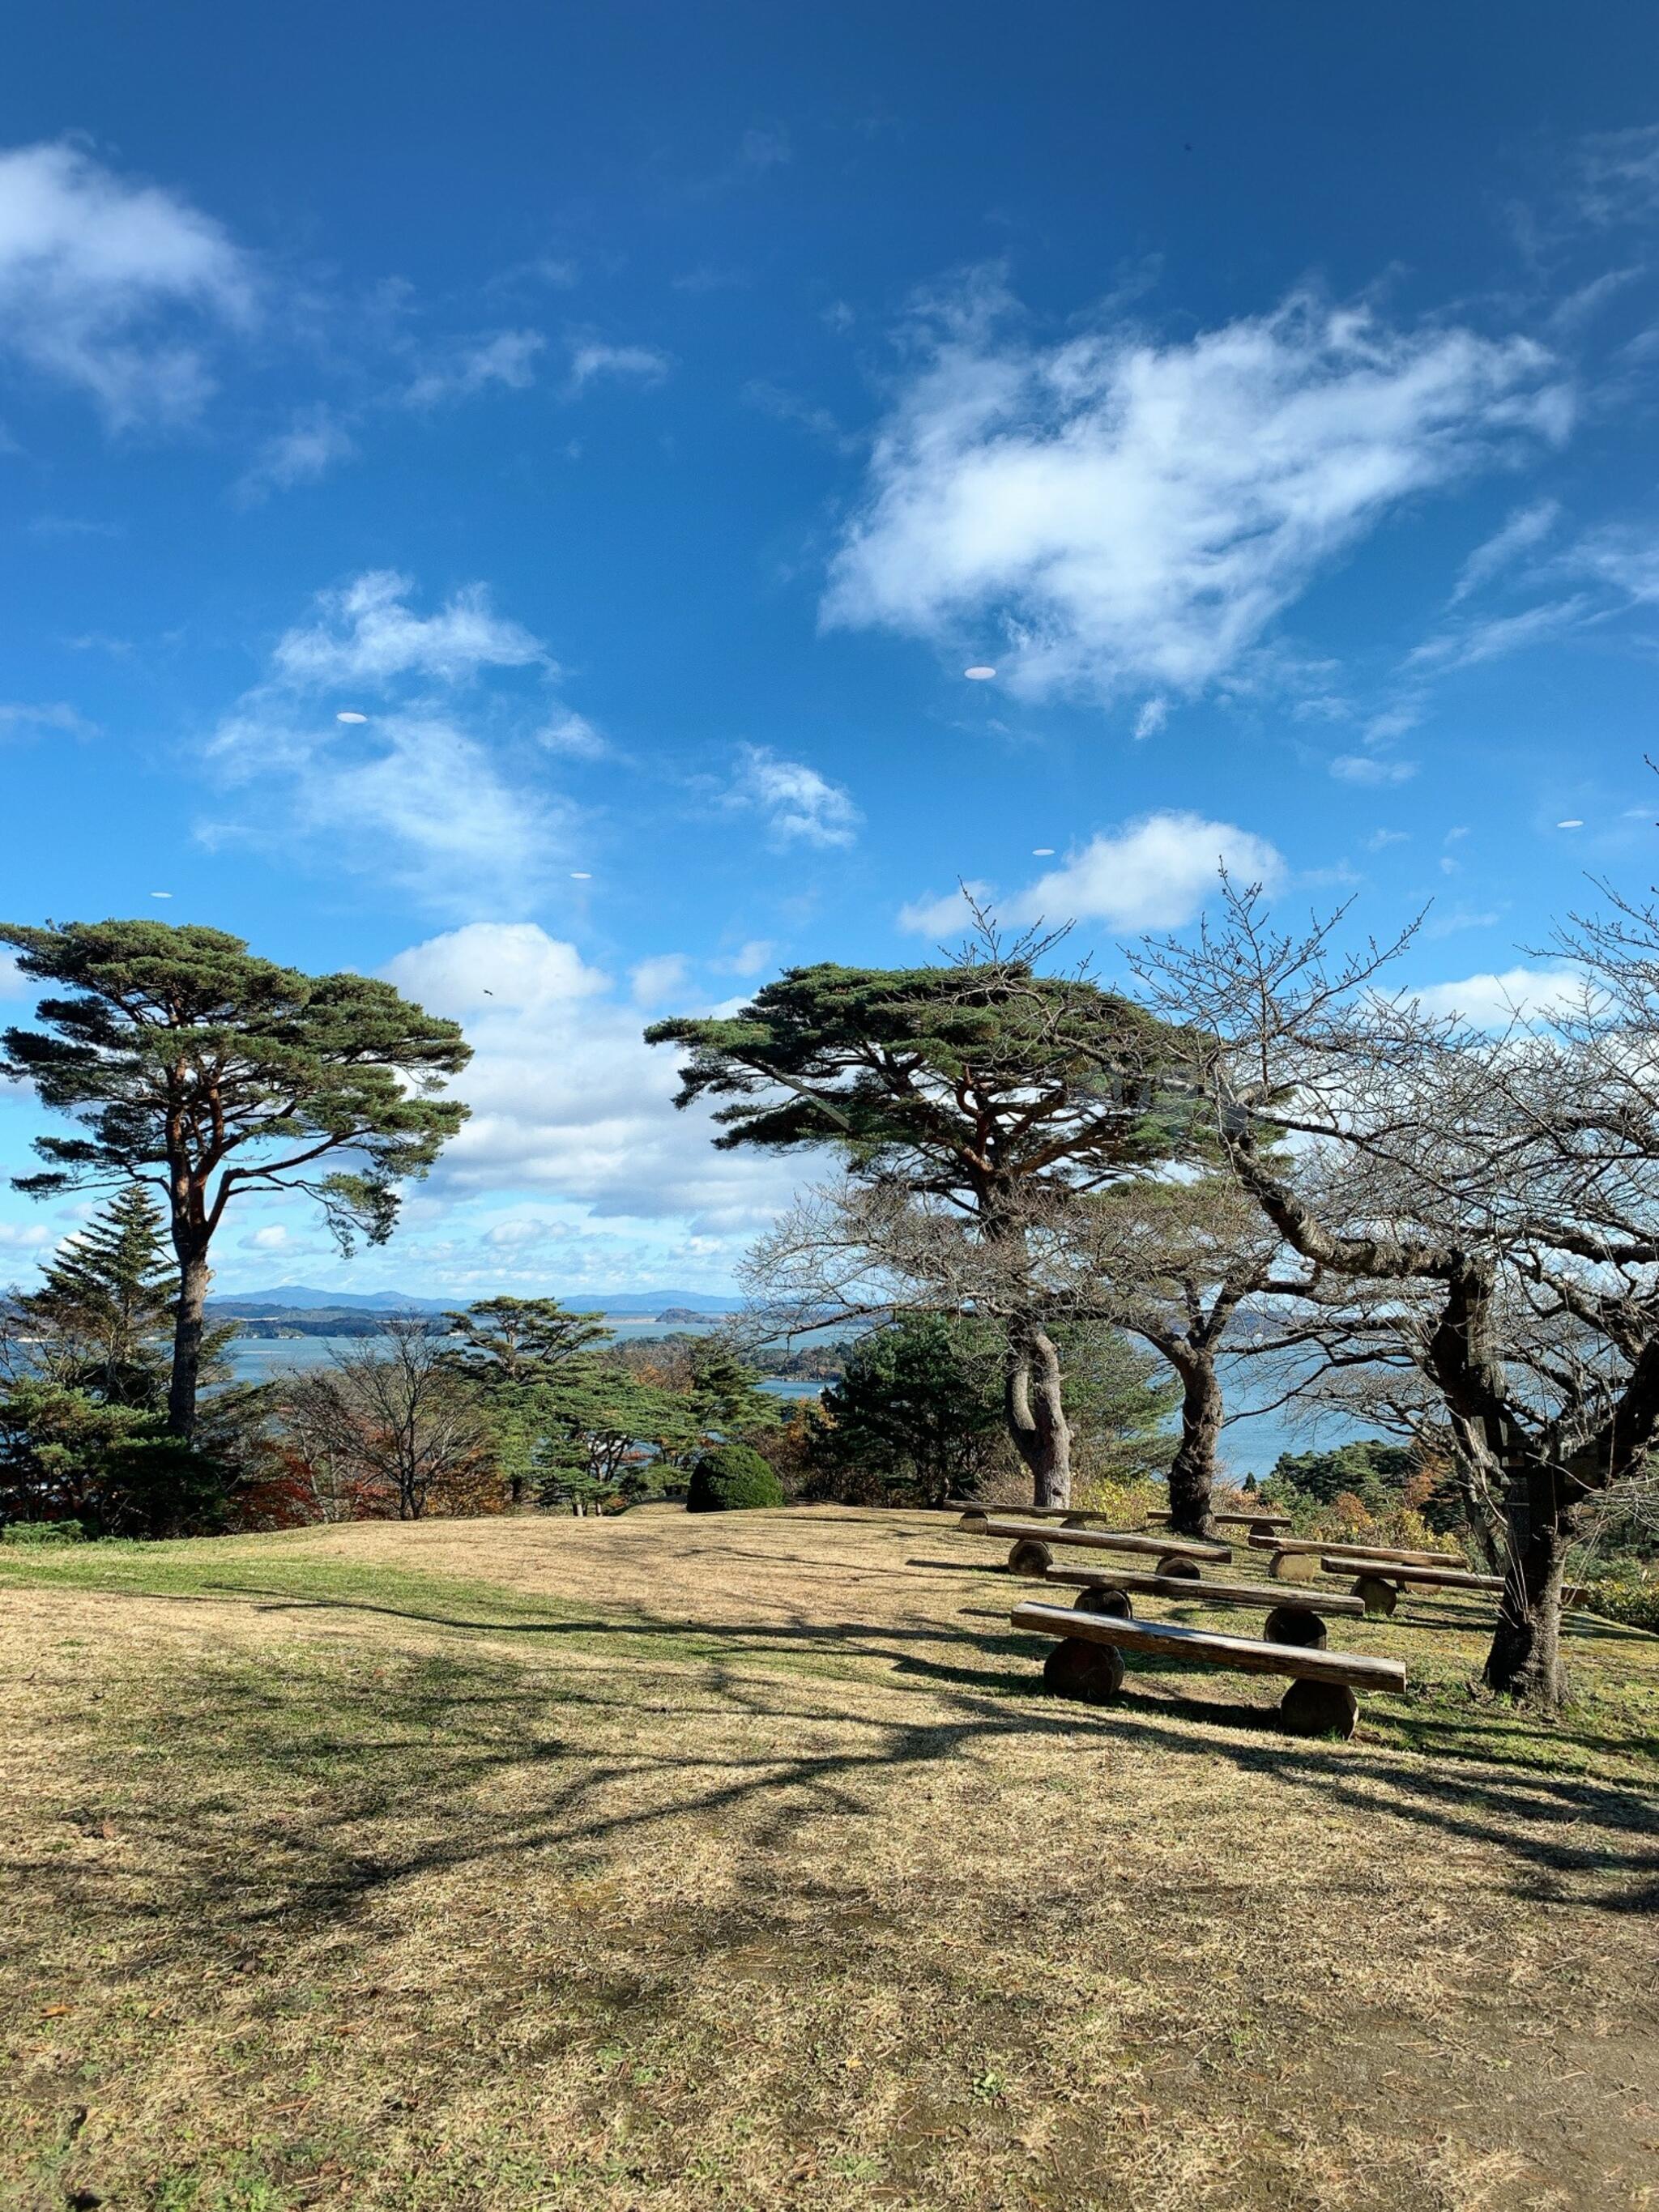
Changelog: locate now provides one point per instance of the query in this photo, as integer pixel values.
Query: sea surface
(1250, 1443)
(257, 1358)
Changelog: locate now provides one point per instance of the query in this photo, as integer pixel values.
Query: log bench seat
(1087, 1663)
(1378, 1580)
(1069, 1516)
(1313, 1546)
(1290, 1619)
(1031, 1539)
(1265, 1521)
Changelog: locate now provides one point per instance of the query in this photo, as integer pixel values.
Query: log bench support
(1087, 1663)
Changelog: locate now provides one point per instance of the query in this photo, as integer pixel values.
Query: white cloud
(366, 633)
(1527, 527)
(1366, 768)
(1139, 513)
(800, 806)
(23, 1236)
(1380, 840)
(451, 803)
(272, 1238)
(1475, 643)
(655, 982)
(567, 1097)
(748, 959)
(1151, 718)
(515, 964)
(506, 360)
(573, 735)
(107, 285)
(1155, 874)
(944, 918)
(1618, 174)
(1491, 1001)
(18, 714)
(303, 453)
(14, 984)
(1626, 558)
(592, 358)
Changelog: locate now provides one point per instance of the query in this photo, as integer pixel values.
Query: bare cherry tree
(1497, 1195)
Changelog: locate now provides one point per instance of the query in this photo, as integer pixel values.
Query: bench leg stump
(1075, 1521)
(1294, 1623)
(973, 1522)
(1318, 1708)
(1379, 1596)
(1092, 1672)
(1293, 1567)
(1177, 1564)
(1030, 1558)
(1115, 1602)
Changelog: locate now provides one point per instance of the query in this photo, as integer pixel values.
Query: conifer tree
(106, 1305)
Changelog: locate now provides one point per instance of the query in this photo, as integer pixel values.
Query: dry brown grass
(737, 1861)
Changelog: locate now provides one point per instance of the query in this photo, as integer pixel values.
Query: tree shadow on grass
(420, 1788)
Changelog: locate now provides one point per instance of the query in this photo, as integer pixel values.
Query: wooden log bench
(1087, 1663)
(1267, 1522)
(1314, 1546)
(1290, 1619)
(1069, 1516)
(1380, 1579)
(1031, 1539)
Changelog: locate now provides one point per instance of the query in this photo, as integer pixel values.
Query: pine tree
(105, 1309)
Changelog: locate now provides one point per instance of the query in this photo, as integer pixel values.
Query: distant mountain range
(297, 1297)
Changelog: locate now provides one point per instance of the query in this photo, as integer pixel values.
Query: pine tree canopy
(183, 1056)
(971, 1076)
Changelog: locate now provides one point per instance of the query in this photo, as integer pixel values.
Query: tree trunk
(194, 1275)
(1037, 1418)
(1525, 1659)
(1192, 1471)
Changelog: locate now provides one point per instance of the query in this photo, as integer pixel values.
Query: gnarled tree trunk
(1525, 1660)
(1037, 1418)
(1192, 1471)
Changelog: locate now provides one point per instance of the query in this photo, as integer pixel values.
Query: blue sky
(512, 506)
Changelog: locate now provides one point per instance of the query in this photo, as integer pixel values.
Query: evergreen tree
(999, 1090)
(726, 1393)
(205, 1072)
(105, 1309)
(512, 1349)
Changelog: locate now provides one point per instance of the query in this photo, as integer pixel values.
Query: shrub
(1629, 1593)
(43, 1532)
(731, 1476)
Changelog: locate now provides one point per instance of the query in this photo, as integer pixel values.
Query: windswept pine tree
(208, 1073)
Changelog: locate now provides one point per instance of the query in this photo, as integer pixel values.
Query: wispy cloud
(1367, 768)
(592, 359)
(1136, 514)
(15, 715)
(1473, 643)
(505, 360)
(800, 806)
(114, 287)
(1527, 527)
(416, 777)
(314, 443)
(365, 632)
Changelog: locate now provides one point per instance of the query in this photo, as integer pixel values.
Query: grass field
(739, 1861)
